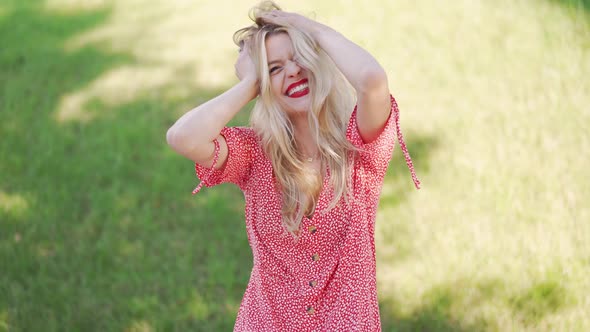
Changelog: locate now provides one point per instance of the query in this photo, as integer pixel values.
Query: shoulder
(246, 134)
(242, 139)
(240, 131)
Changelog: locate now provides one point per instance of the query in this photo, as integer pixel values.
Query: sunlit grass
(99, 232)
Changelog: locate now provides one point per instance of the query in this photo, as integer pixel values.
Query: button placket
(312, 229)
(312, 282)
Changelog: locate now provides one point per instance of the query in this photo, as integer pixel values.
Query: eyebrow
(273, 62)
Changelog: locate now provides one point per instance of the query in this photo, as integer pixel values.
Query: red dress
(326, 280)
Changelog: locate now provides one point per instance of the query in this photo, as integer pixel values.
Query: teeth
(297, 88)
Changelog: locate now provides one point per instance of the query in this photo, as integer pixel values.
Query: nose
(292, 68)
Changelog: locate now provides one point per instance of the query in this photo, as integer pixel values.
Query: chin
(296, 105)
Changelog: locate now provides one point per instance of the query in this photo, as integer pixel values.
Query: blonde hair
(332, 100)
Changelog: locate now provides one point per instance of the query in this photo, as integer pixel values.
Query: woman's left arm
(359, 67)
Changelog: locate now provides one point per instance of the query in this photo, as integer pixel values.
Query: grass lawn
(99, 231)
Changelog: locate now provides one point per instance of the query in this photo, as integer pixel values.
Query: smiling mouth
(298, 89)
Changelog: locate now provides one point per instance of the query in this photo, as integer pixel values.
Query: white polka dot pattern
(325, 280)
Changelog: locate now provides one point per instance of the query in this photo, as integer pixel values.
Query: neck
(304, 137)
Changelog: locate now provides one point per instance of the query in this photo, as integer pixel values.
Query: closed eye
(274, 69)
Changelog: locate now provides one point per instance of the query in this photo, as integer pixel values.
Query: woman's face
(287, 79)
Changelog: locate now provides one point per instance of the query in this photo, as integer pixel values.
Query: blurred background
(98, 228)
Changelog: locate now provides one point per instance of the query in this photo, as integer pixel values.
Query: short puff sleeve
(241, 142)
(376, 155)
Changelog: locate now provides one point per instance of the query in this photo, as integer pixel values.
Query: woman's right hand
(245, 68)
(193, 135)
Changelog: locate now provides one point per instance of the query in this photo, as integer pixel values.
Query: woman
(311, 171)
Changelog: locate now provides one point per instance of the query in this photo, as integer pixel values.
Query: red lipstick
(300, 92)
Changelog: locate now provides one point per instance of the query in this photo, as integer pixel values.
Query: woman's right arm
(193, 135)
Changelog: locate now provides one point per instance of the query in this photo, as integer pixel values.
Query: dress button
(315, 257)
(312, 229)
(310, 310)
(313, 283)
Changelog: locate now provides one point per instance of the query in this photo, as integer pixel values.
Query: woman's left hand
(280, 17)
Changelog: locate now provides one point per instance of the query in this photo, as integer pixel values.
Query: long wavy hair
(332, 100)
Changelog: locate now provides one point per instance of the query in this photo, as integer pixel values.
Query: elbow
(186, 144)
(175, 139)
(171, 137)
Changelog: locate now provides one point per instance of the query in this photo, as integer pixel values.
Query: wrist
(250, 86)
(249, 81)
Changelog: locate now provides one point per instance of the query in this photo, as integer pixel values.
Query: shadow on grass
(431, 317)
(578, 10)
(574, 4)
(539, 300)
(455, 306)
(438, 311)
(104, 234)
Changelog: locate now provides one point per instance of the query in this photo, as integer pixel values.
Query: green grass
(99, 232)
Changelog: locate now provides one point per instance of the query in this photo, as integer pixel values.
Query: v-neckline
(321, 195)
